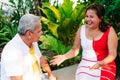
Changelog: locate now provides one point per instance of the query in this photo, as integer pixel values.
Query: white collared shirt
(16, 60)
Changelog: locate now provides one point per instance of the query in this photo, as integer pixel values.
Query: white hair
(27, 22)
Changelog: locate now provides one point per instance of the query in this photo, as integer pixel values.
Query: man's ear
(28, 34)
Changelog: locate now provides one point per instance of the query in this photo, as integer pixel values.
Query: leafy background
(59, 21)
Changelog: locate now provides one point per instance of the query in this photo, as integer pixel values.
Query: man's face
(37, 33)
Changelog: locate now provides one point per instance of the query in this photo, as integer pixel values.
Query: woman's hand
(57, 60)
(97, 65)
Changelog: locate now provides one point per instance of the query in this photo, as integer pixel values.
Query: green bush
(9, 21)
(63, 21)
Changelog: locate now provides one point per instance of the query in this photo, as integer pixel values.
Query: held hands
(97, 65)
(57, 60)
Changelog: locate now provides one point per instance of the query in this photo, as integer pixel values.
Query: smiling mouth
(89, 23)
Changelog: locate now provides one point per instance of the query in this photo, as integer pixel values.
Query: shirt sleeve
(13, 63)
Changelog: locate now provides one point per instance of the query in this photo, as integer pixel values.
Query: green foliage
(53, 44)
(7, 33)
(55, 47)
(62, 22)
(9, 18)
(112, 12)
(63, 19)
(118, 56)
(7, 30)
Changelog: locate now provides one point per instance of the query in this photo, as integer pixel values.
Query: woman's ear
(102, 18)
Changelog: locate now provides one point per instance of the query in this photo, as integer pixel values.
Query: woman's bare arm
(112, 47)
(71, 53)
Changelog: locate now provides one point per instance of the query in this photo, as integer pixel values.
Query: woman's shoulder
(110, 29)
(81, 28)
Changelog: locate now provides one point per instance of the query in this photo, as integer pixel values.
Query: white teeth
(89, 23)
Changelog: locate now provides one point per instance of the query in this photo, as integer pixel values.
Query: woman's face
(91, 18)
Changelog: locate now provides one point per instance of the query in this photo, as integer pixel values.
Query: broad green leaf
(53, 28)
(44, 20)
(67, 7)
(78, 12)
(45, 42)
(44, 11)
(55, 11)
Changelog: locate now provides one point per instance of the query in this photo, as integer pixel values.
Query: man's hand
(52, 77)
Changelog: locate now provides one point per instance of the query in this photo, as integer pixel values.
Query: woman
(98, 41)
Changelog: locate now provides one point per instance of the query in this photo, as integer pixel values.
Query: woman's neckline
(100, 37)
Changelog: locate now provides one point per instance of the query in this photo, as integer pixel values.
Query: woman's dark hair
(100, 11)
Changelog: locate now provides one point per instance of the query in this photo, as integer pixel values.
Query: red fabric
(101, 49)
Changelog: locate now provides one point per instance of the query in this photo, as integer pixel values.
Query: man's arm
(16, 78)
(46, 67)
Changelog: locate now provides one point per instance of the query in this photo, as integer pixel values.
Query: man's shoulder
(13, 44)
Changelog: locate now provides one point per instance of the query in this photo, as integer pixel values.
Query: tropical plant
(60, 24)
(51, 46)
(63, 19)
(10, 18)
(3, 22)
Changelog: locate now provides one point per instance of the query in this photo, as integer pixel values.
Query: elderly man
(21, 58)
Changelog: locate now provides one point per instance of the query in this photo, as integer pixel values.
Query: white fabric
(83, 72)
(16, 60)
(87, 46)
